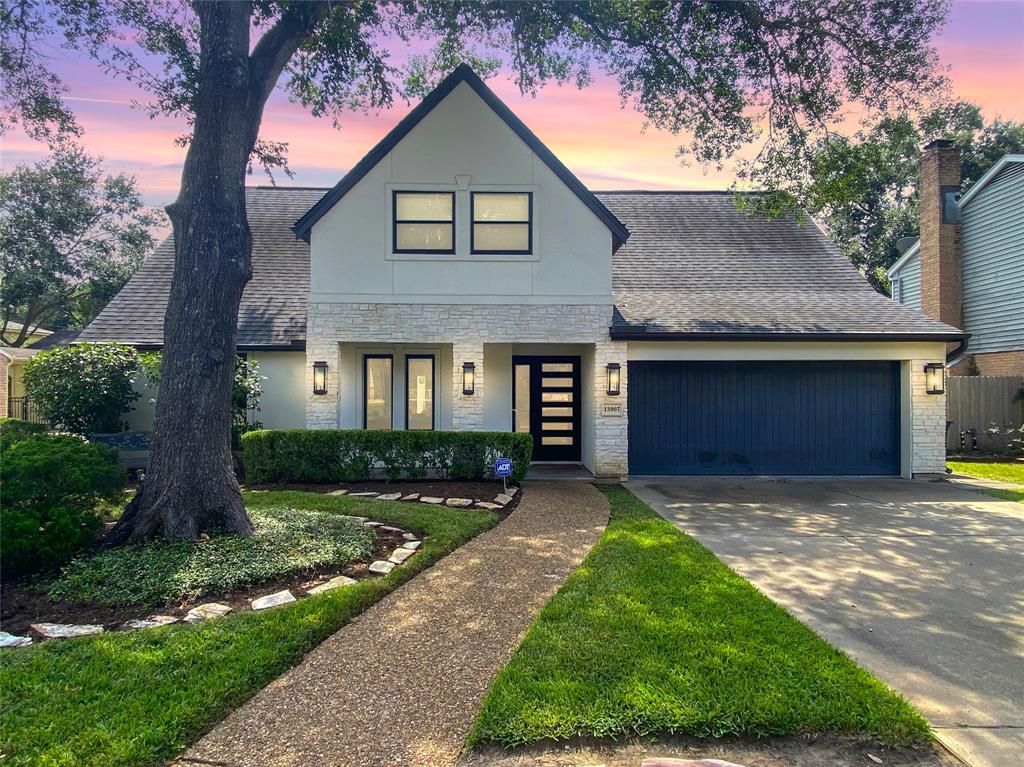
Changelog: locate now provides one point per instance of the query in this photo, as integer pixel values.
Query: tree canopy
(70, 237)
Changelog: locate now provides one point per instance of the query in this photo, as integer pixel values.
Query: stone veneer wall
(928, 423)
(467, 327)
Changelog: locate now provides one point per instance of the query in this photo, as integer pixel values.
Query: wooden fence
(981, 404)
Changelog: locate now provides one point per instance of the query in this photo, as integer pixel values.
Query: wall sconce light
(614, 373)
(935, 378)
(320, 377)
(468, 378)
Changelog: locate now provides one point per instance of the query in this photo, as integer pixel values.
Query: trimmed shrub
(353, 455)
(52, 485)
(14, 430)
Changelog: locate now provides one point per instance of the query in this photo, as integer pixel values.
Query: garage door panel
(764, 418)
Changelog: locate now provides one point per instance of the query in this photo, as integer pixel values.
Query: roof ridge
(672, 191)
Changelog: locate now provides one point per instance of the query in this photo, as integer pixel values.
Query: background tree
(722, 71)
(70, 237)
(863, 188)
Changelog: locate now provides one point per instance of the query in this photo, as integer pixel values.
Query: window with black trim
(423, 222)
(502, 223)
(419, 387)
(377, 378)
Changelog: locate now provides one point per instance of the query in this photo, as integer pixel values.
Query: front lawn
(653, 635)
(139, 698)
(1005, 470)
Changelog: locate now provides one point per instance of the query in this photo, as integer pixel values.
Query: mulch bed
(22, 604)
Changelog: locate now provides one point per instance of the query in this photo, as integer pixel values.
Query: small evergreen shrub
(14, 430)
(52, 486)
(353, 455)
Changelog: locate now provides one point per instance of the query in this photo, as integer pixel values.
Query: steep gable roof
(462, 74)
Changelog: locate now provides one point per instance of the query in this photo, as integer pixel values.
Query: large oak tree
(777, 72)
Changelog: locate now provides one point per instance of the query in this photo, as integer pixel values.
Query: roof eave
(988, 176)
(638, 334)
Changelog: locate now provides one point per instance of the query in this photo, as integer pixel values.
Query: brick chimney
(940, 233)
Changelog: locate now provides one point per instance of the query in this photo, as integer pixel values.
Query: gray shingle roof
(273, 309)
(695, 265)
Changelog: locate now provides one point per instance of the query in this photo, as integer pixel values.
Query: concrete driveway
(921, 582)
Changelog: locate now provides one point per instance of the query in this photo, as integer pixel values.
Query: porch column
(322, 345)
(611, 431)
(467, 409)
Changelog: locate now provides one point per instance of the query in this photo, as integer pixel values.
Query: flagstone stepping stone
(398, 556)
(487, 505)
(273, 600)
(367, 494)
(512, 490)
(10, 640)
(364, 520)
(151, 622)
(206, 611)
(411, 497)
(389, 529)
(503, 499)
(373, 524)
(334, 583)
(389, 497)
(460, 502)
(338, 492)
(65, 630)
(409, 536)
(411, 545)
(431, 499)
(380, 567)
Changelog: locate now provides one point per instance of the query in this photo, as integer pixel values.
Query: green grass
(1006, 495)
(653, 635)
(1000, 471)
(140, 698)
(153, 573)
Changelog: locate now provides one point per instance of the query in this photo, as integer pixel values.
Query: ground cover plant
(653, 635)
(999, 470)
(139, 698)
(155, 572)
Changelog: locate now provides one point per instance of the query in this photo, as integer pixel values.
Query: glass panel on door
(377, 389)
(521, 405)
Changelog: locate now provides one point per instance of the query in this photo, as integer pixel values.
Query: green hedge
(52, 486)
(14, 430)
(303, 455)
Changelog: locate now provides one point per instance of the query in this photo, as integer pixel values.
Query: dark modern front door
(546, 403)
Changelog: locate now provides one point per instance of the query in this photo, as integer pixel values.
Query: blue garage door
(764, 418)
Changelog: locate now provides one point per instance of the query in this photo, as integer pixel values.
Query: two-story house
(461, 277)
(967, 267)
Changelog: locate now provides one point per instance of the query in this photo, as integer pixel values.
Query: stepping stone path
(460, 502)
(148, 623)
(10, 640)
(390, 529)
(488, 505)
(431, 499)
(204, 612)
(389, 497)
(366, 494)
(64, 630)
(334, 583)
(503, 499)
(363, 520)
(273, 600)
(398, 556)
(411, 545)
(380, 567)
(409, 536)
(373, 524)
(411, 497)
(338, 492)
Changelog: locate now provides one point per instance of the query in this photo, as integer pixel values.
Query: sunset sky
(604, 144)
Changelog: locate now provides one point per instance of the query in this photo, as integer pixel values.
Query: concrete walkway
(921, 582)
(402, 684)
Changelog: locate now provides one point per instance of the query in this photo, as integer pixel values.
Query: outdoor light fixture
(935, 378)
(320, 377)
(613, 371)
(468, 378)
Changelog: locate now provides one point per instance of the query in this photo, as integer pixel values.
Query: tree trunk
(189, 486)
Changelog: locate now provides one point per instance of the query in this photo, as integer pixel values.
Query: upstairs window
(502, 223)
(424, 222)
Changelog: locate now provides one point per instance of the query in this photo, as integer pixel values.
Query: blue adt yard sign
(503, 467)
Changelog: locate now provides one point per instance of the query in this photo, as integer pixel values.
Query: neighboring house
(967, 268)
(13, 329)
(14, 400)
(460, 277)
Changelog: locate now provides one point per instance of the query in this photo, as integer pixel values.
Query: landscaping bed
(653, 635)
(485, 491)
(140, 697)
